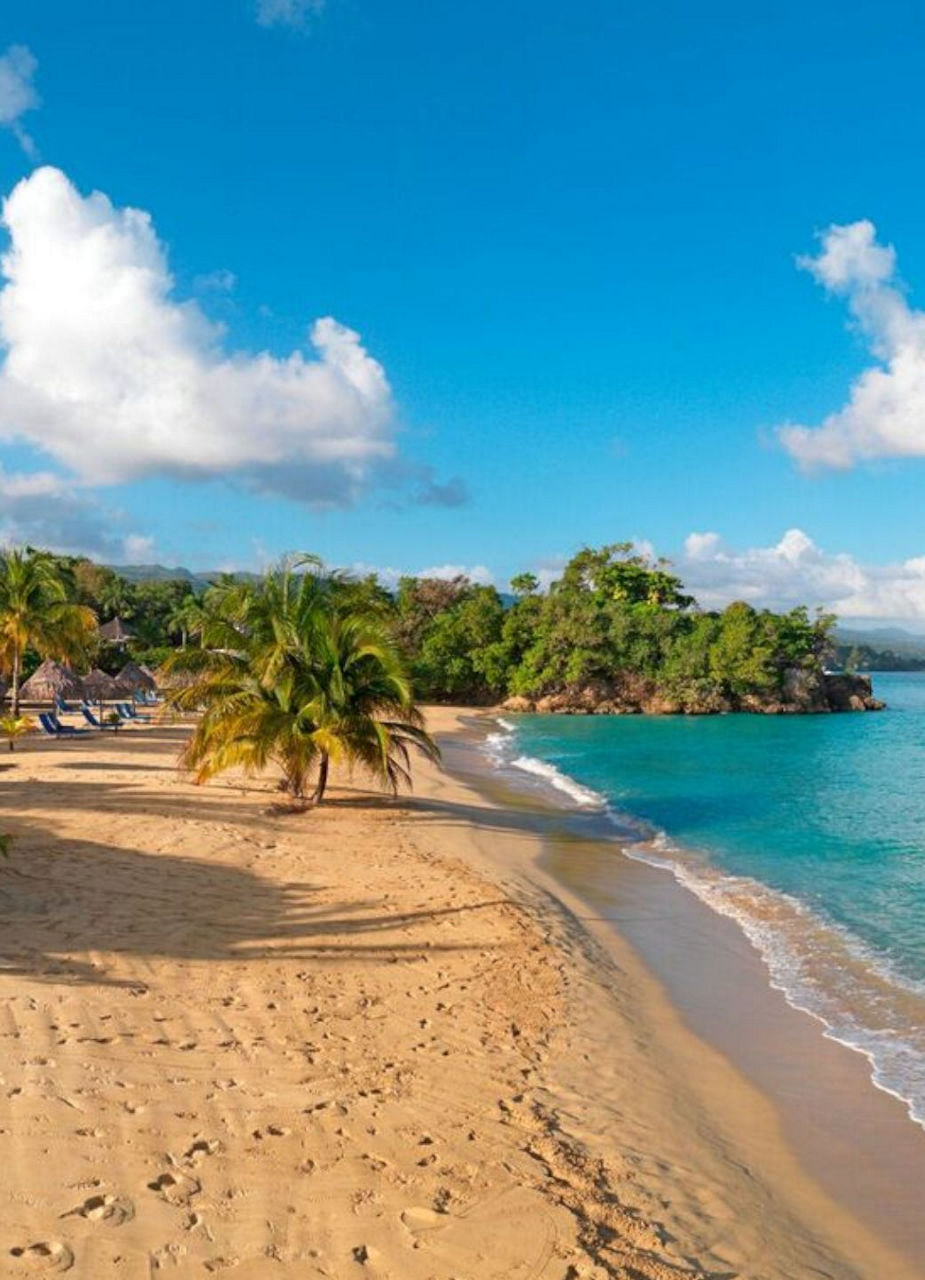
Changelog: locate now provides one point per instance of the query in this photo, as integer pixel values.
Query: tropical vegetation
(38, 614)
(271, 647)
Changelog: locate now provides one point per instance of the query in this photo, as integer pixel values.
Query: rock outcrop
(801, 693)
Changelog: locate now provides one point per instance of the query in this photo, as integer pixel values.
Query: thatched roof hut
(134, 676)
(116, 633)
(51, 680)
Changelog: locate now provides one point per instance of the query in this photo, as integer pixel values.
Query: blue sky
(560, 248)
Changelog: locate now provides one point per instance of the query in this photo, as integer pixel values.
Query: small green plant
(13, 727)
(5, 841)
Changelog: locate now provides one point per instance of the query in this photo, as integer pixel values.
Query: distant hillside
(160, 573)
(880, 649)
(896, 639)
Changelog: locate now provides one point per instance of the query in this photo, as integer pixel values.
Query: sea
(808, 831)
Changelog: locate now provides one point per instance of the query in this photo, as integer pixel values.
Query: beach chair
(128, 712)
(97, 724)
(61, 705)
(55, 729)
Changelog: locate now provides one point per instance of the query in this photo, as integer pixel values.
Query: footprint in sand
(271, 1131)
(421, 1220)
(175, 1188)
(44, 1255)
(203, 1147)
(112, 1209)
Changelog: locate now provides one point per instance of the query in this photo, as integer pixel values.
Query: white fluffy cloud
(885, 414)
(287, 13)
(17, 91)
(113, 377)
(797, 571)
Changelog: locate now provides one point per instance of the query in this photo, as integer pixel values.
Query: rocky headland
(801, 693)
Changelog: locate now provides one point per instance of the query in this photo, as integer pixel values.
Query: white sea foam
(819, 967)
(583, 796)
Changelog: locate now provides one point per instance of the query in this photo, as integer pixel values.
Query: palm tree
(288, 675)
(13, 727)
(364, 707)
(35, 613)
(185, 619)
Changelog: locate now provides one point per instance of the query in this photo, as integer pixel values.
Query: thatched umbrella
(116, 633)
(135, 677)
(98, 686)
(52, 680)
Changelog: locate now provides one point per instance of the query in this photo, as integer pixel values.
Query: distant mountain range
(905, 644)
(160, 573)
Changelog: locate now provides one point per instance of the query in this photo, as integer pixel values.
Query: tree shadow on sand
(64, 900)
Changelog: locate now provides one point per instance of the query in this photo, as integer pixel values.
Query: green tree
(742, 659)
(525, 584)
(459, 655)
(35, 613)
(185, 618)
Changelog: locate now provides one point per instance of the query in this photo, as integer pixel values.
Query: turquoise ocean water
(808, 830)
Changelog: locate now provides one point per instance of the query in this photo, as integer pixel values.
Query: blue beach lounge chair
(97, 724)
(55, 729)
(128, 712)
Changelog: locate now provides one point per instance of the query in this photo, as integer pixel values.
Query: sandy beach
(369, 1040)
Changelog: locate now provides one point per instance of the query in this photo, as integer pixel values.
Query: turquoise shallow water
(809, 830)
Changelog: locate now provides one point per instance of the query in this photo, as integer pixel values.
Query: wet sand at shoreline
(362, 1041)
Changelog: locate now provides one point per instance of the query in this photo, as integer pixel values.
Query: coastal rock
(517, 703)
(802, 693)
(659, 705)
(850, 693)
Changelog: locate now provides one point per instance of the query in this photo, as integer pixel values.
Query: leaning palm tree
(364, 707)
(287, 676)
(35, 613)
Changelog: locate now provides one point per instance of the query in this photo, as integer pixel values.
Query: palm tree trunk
(14, 687)
(321, 784)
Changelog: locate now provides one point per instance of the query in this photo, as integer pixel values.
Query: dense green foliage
(613, 619)
(613, 616)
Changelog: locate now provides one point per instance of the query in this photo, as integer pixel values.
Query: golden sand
(364, 1041)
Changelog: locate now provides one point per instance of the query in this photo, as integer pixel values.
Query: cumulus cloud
(885, 413)
(115, 378)
(17, 92)
(287, 13)
(42, 509)
(796, 571)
